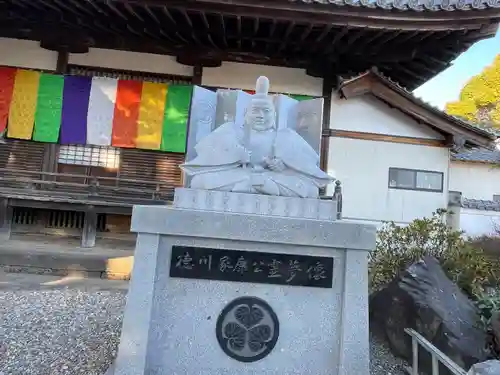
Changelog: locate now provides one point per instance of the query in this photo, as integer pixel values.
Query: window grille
(90, 156)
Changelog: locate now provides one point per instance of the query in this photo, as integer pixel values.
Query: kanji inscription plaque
(251, 267)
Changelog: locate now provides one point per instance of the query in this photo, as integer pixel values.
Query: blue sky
(446, 86)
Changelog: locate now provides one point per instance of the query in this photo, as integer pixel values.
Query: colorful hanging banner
(7, 78)
(101, 110)
(49, 108)
(74, 110)
(176, 118)
(301, 97)
(151, 113)
(128, 98)
(23, 104)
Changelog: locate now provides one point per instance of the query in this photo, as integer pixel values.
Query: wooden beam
(293, 53)
(89, 231)
(284, 39)
(333, 43)
(329, 14)
(386, 138)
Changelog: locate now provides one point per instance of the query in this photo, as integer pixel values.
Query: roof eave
(338, 13)
(380, 87)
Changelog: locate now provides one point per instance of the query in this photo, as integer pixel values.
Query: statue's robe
(218, 165)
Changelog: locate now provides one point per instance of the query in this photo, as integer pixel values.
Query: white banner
(101, 111)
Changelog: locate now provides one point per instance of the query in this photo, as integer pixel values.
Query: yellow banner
(151, 111)
(23, 104)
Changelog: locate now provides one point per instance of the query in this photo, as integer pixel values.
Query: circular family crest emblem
(247, 329)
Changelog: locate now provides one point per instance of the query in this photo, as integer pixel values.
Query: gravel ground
(382, 361)
(75, 330)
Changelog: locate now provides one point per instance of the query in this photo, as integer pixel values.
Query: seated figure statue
(256, 157)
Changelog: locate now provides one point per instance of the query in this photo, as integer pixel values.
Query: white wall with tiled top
(363, 165)
(475, 180)
(26, 54)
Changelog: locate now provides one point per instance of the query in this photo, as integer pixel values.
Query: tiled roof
(479, 204)
(415, 5)
(478, 155)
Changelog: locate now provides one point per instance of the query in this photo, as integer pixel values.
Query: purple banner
(75, 105)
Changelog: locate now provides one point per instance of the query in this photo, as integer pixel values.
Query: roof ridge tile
(411, 5)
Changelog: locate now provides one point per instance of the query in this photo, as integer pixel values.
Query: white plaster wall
(479, 222)
(363, 168)
(243, 76)
(140, 62)
(475, 180)
(26, 54)
(369, 115)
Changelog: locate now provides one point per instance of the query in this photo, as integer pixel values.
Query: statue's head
(261, 114)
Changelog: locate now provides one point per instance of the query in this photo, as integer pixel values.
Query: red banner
(128, 100)
(7, 78)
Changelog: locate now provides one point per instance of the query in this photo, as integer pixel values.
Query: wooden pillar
(89, 230)
(5, 219)
(329, 83)
(197, 74)
(62, 62)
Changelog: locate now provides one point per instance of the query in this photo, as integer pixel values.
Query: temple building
(65, 65)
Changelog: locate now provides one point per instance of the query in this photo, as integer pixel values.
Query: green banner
(175, 121)
(49, 108)
(301, 97)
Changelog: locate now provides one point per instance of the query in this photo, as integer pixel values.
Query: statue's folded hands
(275, 164)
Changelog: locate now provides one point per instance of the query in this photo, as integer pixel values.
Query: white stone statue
(257, 158)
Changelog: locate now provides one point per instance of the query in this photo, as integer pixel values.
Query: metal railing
(437, 355)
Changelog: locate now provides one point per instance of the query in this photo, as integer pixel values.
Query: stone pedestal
(223, 293)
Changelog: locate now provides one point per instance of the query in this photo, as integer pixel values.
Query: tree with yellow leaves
(479, 100)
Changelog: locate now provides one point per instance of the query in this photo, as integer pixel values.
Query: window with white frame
(414, 179)
(90, 156)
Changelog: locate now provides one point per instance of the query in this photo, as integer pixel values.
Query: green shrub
(489, 244)
(399, 246)
(488, 304)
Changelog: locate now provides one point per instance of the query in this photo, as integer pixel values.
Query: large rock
(485, 368)
(423, 298)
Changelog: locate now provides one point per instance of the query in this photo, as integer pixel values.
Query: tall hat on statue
(261, 96)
